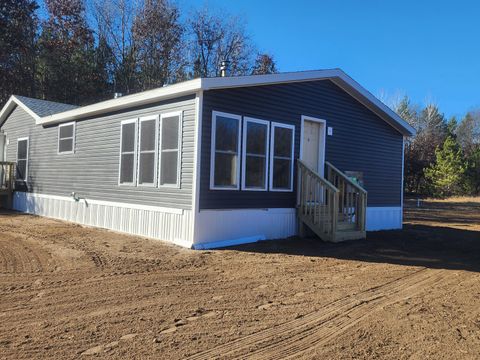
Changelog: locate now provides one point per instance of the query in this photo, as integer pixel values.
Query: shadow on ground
(415, 245)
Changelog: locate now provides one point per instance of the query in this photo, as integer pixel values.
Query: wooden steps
(333, 209)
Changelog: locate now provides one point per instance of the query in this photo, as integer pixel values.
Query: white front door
(313, 145)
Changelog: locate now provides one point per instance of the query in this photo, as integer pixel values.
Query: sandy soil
(72, 292)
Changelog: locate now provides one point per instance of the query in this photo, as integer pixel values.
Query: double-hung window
(281, 157)
(225, 151)
(128, 152)
(170, 146)
(255, 154)
(22, 159)
(66, 138)
(147, 151)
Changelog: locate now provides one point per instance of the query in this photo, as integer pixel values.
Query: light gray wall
(92, 171)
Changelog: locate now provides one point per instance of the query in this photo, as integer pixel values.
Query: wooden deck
(334, 208)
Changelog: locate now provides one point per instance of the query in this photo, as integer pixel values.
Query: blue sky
(429, 50)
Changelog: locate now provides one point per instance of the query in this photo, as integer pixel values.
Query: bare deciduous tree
(115, 20)
(264, 64)
(158, 36)
(216, 37)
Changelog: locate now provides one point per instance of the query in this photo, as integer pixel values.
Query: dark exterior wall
(361, 140)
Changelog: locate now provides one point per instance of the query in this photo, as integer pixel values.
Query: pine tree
(472, 174)
(18, 26)
(446, 174)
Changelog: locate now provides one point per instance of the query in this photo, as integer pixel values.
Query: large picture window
(128, 152)
(66, 138)
(170, 146)
(147, 151)
(225, 151)
(281, 157)
(255, 154)
(22, 159)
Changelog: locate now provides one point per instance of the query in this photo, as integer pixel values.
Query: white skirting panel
(218, 228)
(384, 218)
(172, 225)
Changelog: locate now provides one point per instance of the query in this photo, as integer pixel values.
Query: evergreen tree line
(443, 159)
(80, 53)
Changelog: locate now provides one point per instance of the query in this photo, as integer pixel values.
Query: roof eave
(139, 99)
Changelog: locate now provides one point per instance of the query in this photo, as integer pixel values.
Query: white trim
(197, 162)
(337, 76)
(135, 153)
(110, 203)
(322, 141)
(155, 150)
(73, 137)
(139, 220)
(10, 105)
(247, 120)
(27, 159)
(403, 173)
(221, 227)
(272, 155)
(384, 218)
(123, 102)
(213, 150)
(179, 114)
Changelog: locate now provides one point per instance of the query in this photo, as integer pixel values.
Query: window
(281, 157)
(170, 155)
(255, 154)
(22, 159)
(128, 152)
(66, 138)
(225, 151)
(147, 151)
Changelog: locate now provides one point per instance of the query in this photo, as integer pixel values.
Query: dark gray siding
(92, 172)
(361, 140)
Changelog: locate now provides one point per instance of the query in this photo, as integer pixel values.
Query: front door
(313, 145)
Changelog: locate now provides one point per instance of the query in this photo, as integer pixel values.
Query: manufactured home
(213, 162)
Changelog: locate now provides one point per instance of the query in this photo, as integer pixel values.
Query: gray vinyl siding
(361, 140)
(92, 171)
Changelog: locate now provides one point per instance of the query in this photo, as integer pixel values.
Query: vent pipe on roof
(224, 71)
(117, 95)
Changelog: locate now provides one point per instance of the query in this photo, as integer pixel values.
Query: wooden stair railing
(317, 203)
(352, 200)
(7, 181)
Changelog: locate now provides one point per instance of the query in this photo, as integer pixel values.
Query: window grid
(133, 152)
(274, 157)
(214, 151)
(153, 151)
(246, 122)
(60, 138)
(163, 150)
(22, 159)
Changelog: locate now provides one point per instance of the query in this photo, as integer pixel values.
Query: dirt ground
(72, 292)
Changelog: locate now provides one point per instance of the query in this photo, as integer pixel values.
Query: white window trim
(292, 152)
(73, 138)
(247, 120)
(139, 151)
(135, 152)
(212, 150)
(28, 156)
(179, 149)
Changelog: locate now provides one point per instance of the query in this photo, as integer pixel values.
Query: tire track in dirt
(304, 334)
